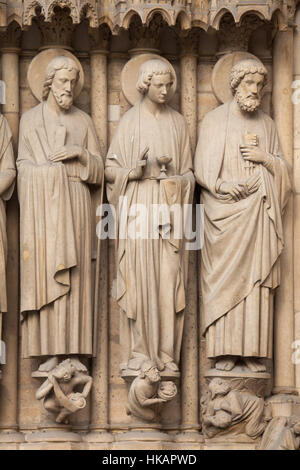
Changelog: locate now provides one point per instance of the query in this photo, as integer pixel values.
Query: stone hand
(137, 172)
(253, 154)
(161, 400)
(51, 379)
(69, 152)
(236, 190)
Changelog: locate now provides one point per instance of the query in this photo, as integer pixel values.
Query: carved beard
(249, 103)
(64, 100)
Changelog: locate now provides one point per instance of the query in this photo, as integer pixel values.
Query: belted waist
(148, 178)
(74, 178)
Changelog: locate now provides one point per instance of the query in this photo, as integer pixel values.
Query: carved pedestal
(146, 422)
(233, 407)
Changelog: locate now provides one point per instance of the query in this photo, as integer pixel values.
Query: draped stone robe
(151, 276)
(7, 177)
(56, 231)
(242, 240)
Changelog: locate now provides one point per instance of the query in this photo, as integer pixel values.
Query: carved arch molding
(117, 14)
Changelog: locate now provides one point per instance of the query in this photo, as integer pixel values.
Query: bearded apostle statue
(244, 188)
(58, 163)
(149, 165)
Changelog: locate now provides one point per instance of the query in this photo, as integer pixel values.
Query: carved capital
(11, 38)
(236, 38)
(189, 42)
(146, 37)
(57, 32)
(99, 38)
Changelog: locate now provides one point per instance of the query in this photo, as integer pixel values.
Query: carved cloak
(151, 276)
(56, 231)
(242, 240)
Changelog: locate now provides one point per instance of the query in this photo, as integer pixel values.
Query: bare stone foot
(49, 364)
(172, 366)
(226, 363)
(254, 364)
(135, 363)
(78, 365)
(160, 365)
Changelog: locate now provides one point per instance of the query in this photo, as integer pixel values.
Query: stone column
(99, 394)
(188, 74)
(296, 105)
(190, 349)
(284, 373)
(9, 383)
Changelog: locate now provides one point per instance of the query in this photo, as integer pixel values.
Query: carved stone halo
(37, 71)
(221, 74)
(129, 77)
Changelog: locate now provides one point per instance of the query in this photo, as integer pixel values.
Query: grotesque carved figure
(226, 408)
(59, 389)
(147, 391)
(149, 165)
(282, 433)
(245, 187)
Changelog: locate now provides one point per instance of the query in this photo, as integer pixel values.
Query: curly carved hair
(147, 70)
(58, 63)
(146, 367)
(243, 68)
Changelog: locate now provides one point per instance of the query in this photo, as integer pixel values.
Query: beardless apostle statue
(151, 270)
(58, 162)
(245, 188)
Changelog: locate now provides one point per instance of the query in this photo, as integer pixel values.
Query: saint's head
(149, 370)
(155, 80)
(247, 80)
(62, 75)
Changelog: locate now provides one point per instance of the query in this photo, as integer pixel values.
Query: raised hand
(253, 154)
(137, 172)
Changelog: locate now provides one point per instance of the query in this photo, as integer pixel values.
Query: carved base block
(189, 436)
(96, 437)
(11, 437)
(53, 436)
(284, 405)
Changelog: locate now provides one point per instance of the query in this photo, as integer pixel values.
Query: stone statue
(58, 165)
(245, 187)
(57, 392)
(147, 391)
(149, 165)
(282, 433)
(226, 408)
(7, 178)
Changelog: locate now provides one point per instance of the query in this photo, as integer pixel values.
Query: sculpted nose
(68, 86)
(254, 89)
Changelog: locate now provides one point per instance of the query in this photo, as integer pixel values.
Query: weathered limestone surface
(195, 407)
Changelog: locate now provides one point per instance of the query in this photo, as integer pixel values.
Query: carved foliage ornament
(46, 8)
